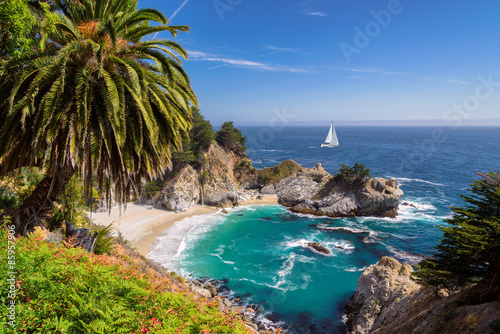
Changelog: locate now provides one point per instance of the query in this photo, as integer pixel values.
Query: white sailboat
(331, 139)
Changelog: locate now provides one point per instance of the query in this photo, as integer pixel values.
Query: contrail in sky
(178, 10)
(175, 13)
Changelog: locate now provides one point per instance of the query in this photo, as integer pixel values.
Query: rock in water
(319, 248)
(314, 191)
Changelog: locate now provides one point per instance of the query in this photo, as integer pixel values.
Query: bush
(70, 206)
(105, 241)
(272, 175)
(17, 186)
(72, 291)
(352, 176)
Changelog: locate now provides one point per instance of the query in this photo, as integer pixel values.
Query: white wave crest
(172, 242)
(404, 256)
(404, 179)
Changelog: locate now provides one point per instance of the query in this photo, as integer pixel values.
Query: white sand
(141, 224)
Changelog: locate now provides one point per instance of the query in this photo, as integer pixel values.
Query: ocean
(258, 253)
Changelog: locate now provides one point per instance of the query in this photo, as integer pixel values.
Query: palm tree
(94, 98)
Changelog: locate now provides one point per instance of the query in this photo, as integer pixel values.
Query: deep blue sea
(259, 253)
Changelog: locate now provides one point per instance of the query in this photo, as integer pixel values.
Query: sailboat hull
(329, 145)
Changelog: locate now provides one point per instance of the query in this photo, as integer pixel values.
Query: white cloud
(457, 81)
(377, 71)
(276, 49)
(395, 73)
(366, 70)
(320, 14)
(204, 56)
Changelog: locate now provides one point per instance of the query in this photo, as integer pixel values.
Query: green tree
(200, 137)
(470, 249)
(231, 138)
(356, 175)
(17, 21)
(22, 25)
(97, 99)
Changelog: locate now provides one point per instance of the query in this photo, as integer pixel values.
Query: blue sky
(346, 60)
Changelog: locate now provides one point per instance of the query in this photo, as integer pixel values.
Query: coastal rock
(212, 288)
(220, 187)
(387, 300)
(382, 293)
(269, 189)
(314, 191)
(319, 248)
(182, 192)
(198, 288)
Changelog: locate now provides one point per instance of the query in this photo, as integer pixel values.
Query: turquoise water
(259, 252)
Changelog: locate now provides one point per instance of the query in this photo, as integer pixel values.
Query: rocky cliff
(387, 301)
(313, 190)
(219, 182)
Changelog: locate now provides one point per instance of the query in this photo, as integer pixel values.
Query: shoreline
(142, 224)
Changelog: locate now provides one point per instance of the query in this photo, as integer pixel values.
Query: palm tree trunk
(39, 205)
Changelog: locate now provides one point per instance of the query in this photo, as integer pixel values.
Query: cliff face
(218, 183)
(313, 191)
(220, 187)
(182, 192)
(389, 301)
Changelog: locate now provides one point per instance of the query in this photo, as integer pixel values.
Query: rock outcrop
(319, 248)
(387, 300)
(218, 183)
(182, 192)
(220, 187)
(314, 191)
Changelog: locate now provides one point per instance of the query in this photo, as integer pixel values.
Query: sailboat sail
(331, 139)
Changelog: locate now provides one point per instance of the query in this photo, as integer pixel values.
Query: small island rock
(319, 248)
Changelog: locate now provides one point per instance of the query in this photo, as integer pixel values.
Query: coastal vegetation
(231, 138)
(272, 175)
(195, 142)
(356, 175)
(68, 290)
(469, 252)
(92, 97)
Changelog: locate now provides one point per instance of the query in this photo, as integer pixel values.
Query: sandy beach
(141, 224)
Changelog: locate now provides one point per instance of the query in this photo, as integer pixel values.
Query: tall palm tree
(94, 98)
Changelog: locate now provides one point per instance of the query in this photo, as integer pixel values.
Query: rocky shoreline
(388, 300)
(249, 313)
(227, 179)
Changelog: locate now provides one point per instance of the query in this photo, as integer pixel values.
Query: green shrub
(72, 291)
(104, 242)
(70, 206)
(17, 186)
(272, 175)
(352, 176)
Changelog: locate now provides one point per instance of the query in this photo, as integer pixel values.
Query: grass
(272, 175)
(67, 290)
